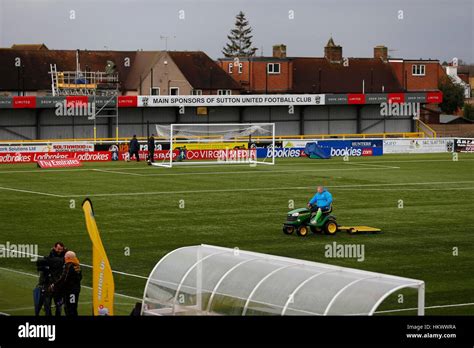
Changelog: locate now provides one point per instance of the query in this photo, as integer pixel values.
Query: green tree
(240, 39)
(469, 112)
(453, 96)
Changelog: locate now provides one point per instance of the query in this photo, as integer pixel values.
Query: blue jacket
(322, 200)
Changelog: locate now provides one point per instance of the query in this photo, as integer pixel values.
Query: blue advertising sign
(329, 148)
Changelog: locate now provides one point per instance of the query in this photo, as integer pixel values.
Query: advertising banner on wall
(464, 145)
(332, 148)
(351, 148)
(59, 163)
(295, 143)
(51, 147)
(33, 157)
(279, 152)
(231, 100)
(417, 145)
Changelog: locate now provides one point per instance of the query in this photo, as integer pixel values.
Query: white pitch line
(262, 189)
(261, 172)
(116, 172)
(136, 298)
(82, 264)
(31, 192)
(80, 303)
(82, 286)
(412, 189)
(371, 165)
(301, 163)
(429, 307)
(237, 190)
(377, 161)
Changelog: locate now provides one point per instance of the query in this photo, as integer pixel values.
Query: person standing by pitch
(151, 149)
(133, 148)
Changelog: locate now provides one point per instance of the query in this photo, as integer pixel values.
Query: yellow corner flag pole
(103, 287)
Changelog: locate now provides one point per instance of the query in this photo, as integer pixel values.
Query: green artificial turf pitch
(151, 211)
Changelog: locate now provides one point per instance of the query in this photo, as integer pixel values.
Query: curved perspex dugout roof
(209, 280)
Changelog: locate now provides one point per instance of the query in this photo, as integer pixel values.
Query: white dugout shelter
(210, 280)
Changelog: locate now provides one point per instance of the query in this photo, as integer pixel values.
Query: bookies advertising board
(331, 148)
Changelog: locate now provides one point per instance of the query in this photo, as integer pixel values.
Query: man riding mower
(316, 217)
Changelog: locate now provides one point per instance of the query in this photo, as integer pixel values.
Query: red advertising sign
(76, 100)
(27, 102)
(434, 97)
(220, 154)
(33, 157)
(395, 98)
(367, 152)
(127, 101)
(59, 163)
(356, 99)
(160, 155)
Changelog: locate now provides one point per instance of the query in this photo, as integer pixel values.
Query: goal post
(216, 143)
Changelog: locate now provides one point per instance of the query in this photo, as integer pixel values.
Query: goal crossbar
(214, 137)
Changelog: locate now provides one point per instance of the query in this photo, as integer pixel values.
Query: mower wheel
(288, 229)
(330, 227)
(303, 231)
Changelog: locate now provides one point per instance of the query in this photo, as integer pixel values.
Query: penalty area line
(261, 172)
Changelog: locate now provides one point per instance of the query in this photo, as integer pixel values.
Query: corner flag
(102, 279)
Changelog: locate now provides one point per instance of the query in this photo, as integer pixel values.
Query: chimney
(333, 52)
(279, 51)
(381, 52)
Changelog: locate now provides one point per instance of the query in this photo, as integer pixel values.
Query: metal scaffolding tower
(101, 87)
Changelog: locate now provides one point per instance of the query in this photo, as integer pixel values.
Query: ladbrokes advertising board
(33, 157)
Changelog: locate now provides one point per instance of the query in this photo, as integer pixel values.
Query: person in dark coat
(50, 273)
(69, 284)
(134, 147)
(151, 149)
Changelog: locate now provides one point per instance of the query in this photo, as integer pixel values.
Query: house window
(273, 68)
(155, 91)
(240, 68)
(196, 92)
(230, 68)
(174, 91)
(418, 70)
(224, 92)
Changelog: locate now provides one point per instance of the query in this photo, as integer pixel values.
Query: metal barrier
(426, 130)
(419, 134)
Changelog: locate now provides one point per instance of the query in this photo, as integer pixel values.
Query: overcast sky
(437, 29)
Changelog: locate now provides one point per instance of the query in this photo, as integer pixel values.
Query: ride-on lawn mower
(303, 221)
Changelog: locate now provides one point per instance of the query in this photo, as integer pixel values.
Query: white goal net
(239, 143)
